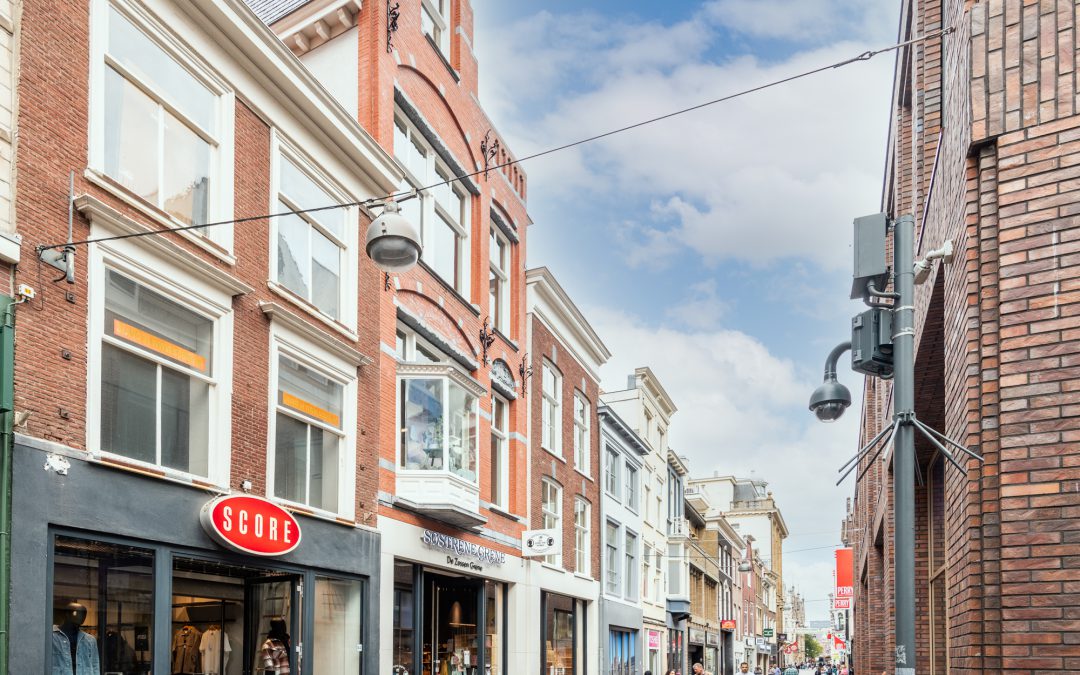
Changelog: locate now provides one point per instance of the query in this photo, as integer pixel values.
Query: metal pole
(904, 449)
(7, 443)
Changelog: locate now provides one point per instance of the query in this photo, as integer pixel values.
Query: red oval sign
(251, 525)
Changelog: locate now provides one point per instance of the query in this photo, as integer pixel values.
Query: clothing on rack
(215, 649)
(274, 657)
(185, 651)
(78, 656)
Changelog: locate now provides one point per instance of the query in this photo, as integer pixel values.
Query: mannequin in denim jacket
(74, 651)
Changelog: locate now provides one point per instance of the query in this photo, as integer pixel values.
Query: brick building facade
(983, 152)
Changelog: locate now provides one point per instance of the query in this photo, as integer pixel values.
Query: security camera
(393, 243)
(830, 400)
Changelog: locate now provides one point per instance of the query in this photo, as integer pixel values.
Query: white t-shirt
(211, 646)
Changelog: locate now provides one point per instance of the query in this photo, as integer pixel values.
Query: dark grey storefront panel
(619, 616)
(114, 503)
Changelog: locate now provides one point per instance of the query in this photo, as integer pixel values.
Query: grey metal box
(871, 343)
(870, 262)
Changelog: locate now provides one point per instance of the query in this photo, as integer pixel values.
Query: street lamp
(393, 243)
(884, 346)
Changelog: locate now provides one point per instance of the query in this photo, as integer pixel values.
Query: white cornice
(651, 383)
(305, 328)
(253, 43)
(101, 214)
(443, 370)
(550, 303)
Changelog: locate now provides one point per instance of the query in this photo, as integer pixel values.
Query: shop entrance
(695, 654)
(234, 620)
(451, 615)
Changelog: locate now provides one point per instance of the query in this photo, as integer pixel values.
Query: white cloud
(742, 410)
(702, 308)
(772, 175)
(804, 20)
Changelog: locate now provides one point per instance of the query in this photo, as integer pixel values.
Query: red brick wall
(999, 93)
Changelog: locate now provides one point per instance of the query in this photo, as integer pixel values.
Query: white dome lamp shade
(393, 243)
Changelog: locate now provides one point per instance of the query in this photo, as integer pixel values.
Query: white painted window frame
(286, 342)
(501, 312)
(630, 563)
(501, 499)
(221, 194)
(582, 562)
(631, 498)
(613, 572)
(551, 433)
(436, 171)
(556, 515)
(582, 434)
(440, 22)
(281, 146)
(188, 290)
(612, 476)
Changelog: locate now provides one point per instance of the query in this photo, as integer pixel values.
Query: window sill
(584, 475)
(158, 216)
(449, 288)
(155, 471)
(504, 512)
(312, 512)
(443, 58)
(311, 310)
(513, 345)
(552, 567)
(584, 577)
(553, 454)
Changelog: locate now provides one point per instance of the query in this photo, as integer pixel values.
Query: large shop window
(438, 414)
(622, 652)
(311, 247)
(163, 127)
(103, 608)
(309, 435)
(457, 625)
(442, 213)
(223, 618)
(563, 634)
(157, 378)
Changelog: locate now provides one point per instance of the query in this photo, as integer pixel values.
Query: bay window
(442, 213)
(160, 124)
(499, 281)
(308, 435)
(581, 433)
(157, 377)
(438, 421)
(310, 247)
(551, 411)
(551, 510)
(581, 536)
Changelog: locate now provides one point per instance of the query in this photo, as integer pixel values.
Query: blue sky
(714, 247)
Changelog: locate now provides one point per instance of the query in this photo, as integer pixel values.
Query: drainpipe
(7, 443)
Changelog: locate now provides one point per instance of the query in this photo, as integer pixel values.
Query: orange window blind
(159, 345)
(299, 404)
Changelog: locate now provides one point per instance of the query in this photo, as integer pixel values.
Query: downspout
(7, 443)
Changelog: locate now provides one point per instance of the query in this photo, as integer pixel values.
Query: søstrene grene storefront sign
(463, 550)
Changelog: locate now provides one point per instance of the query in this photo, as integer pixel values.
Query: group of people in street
(808, 668)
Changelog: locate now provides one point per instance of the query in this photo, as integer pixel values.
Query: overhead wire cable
(409, 194)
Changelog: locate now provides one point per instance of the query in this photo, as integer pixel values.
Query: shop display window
(339, 610)
(622, 652)
(103, 608)
(446, 624)
(560, 634)
(156, 378)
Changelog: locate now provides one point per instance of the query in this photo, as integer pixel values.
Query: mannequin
(74, 650)
(276, 652)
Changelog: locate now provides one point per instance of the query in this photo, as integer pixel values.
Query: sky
(714, 247)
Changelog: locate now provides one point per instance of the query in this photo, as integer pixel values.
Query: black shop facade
(145, 575)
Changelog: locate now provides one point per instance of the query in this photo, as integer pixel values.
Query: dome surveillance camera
(393, 243)
(830, 400)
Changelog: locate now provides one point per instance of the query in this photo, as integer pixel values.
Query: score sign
(250, 525)
(845, 578)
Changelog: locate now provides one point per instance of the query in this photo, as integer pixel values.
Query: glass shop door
(274, 625)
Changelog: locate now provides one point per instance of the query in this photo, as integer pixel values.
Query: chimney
(631, 381)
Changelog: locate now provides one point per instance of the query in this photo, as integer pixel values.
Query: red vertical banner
(845, 578)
